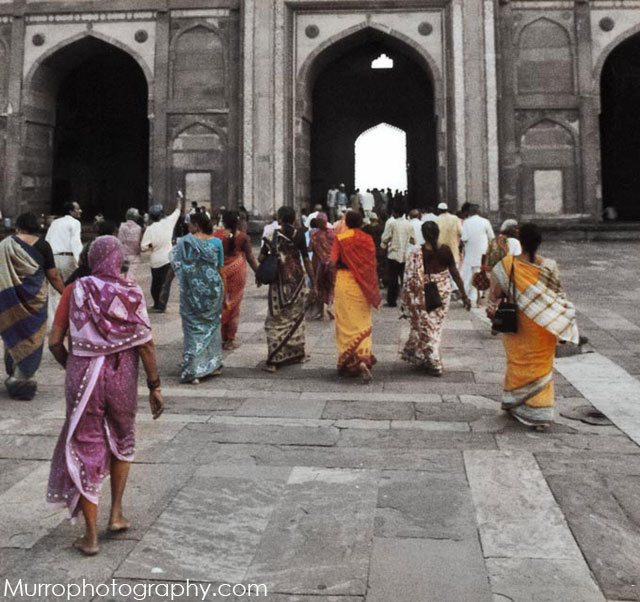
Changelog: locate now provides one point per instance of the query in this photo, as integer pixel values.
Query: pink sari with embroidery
(107, 321)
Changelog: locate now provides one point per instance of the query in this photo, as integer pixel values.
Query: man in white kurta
(64, 237)
(476, 234)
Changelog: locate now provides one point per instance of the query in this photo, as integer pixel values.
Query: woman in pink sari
(106, 318)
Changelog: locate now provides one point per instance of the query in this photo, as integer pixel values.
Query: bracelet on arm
(153, 384)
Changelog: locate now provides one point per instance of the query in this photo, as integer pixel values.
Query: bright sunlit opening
(382, 62)
(381, 158)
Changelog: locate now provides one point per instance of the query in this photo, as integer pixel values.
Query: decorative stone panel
(545, 59)
(198, 67)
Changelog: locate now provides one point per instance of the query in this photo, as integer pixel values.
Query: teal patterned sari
(196, 263)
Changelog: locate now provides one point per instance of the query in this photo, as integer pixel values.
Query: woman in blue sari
(197, 259)
(26, 266)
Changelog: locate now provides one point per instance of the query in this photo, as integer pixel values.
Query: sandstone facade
(515, 97)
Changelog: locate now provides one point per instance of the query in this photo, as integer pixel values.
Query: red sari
(235, 273)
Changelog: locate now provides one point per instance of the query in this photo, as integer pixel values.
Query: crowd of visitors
(327, 263)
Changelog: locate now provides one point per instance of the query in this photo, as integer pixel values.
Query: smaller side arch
(209, 126)
(548, 169)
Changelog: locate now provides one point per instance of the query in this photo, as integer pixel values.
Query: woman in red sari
(356, 291)
(320, 244)
(237, 253)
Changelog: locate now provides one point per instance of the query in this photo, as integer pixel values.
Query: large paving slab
(593, 375)
(24, 520)
(423, 505)
(318, 540)
(607, 532)
(205, 534)
(517, 514)
(406, 570)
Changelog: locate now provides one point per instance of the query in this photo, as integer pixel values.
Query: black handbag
(267, 272)
(506, 317)
(432, 298)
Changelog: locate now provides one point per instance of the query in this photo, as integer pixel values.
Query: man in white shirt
(396, 239)
(416, 224)
(476, 234)
(429, 215)
(331, 203)
(64, 237)
(367, 203)
(157, 239)
(342, 200)
(316, 209)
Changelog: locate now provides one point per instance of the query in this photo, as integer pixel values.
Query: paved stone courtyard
(408, 489)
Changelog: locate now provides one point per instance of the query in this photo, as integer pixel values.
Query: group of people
(103, 318)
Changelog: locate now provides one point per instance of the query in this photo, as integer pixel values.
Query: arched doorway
(87, 134)
(620, 129)
(345, 94)
(381, 156)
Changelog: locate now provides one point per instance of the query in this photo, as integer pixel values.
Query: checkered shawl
(540, 297)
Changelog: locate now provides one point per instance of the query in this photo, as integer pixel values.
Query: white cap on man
(443, 206)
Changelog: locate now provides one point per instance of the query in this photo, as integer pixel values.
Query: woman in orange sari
(354, 257)
(237, 253)
(544, 315)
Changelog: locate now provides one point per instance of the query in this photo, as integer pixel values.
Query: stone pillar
(457, 36)
(12, 177)
(506, 109)
(475, 103)
(491, 100)
(158, 125)
(591, 193)
(258, 162)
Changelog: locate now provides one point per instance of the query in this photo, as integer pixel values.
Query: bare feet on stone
(118, 523)
(367, 377)
(89, 547)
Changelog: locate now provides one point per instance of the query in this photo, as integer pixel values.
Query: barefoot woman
(106, 318)
(354, 258)
(284, 325)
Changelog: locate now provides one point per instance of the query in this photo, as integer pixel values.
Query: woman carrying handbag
(527, 304)
(426, 294)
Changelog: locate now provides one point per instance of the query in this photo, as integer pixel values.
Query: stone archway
(426, 138)
(86, 135)
(620, 128)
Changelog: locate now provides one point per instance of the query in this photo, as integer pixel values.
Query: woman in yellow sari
(354, 257)
(544, 315)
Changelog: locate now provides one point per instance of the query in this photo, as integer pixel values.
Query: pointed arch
(545, 59)
(304, 182)
(44, 58)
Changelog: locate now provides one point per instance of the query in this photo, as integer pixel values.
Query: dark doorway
(350, 97)
(620, 130)
(101, 136)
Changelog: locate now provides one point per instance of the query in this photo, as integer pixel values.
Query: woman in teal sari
(196, 260)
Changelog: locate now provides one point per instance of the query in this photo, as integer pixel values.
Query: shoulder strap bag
(506, 317)
(432, 298)
(267, 272)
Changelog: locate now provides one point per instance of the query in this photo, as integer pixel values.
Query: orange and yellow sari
(544, 316)
(356, 290)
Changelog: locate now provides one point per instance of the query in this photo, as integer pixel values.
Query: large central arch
(426, 138)
(86, 129)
